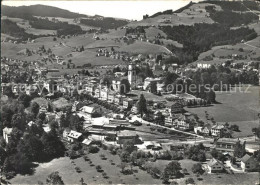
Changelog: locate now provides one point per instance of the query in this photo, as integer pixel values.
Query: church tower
(132, 75)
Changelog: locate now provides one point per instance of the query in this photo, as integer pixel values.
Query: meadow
(239, 108)
(66, 169)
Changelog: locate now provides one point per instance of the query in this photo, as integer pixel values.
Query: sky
(132, 10)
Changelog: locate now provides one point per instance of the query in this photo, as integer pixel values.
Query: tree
(3, 155)
(133, 157)
(211, 96)
(185, 171)
(201, 157)
(190, 181)
(82, 181)
(21, 163)
(64, 121)
(239, 149)
(19, 121)
(128, 147)
(153, 88)
(31, 147)
(7, 166)
(160, 119)
(124, 156)
(257, 155)
(42, 116)
(124, 86)
(54, 179)
(9, 91)
(53, 147)
(141, 105)
(197, 169)
(123, 165)
(35, 108)
(170, 78)
(172, 169)
(234, 128)
(44, 92)
(24, 99)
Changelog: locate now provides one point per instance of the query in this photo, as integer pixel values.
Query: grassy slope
(233, 107)
(89, 174)
(195, 14)
(143, 47)
(28, 29)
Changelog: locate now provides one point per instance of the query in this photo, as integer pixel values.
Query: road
(135, 118)
(246, 43)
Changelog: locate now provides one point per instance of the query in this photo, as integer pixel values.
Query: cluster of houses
(226, 146)
(208, 129)
(113, 54)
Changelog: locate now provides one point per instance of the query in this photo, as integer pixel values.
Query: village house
(87, 112)
(134, 109)
(152, 145)
(205, 130)
(248, 163)
(74, 136)
(43, 109)
(226, 144)
(215, 166)
(127, 136)
(149, 81)
(88, 141)
(217, 130)
(177, 107)
(119, 99)
(7, 134)
(66, 133)
(90, 88)
(203, 65)
(127, 103)
(184, 122)
(97, 93)
(111, 97)
(116, 85)
(119, 74)
(104, 93)
(169, 121)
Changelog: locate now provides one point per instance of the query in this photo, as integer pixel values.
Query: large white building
(132, 75)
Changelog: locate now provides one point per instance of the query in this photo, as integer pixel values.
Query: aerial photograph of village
(130, 92)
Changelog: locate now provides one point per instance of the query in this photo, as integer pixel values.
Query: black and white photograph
(130, 92)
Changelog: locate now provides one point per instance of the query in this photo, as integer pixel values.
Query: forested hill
(38, 10)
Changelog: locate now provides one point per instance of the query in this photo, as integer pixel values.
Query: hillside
(201, 26)
(209, 31)
(41, 20)
(38, 10)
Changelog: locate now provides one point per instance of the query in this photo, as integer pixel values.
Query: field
(70, 21)
(28, 29)
(239, 178)
(113, 34)
(89, 173)
(144, 48)
(103, 44)
(251, 49)
(147, 95)
(239, 108)
(247, 178)
(195, 14)
(4, 36)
